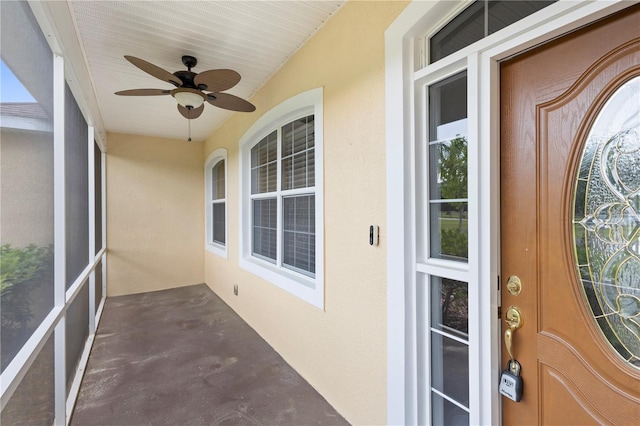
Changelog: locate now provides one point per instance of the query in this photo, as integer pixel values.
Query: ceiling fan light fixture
(188, 98)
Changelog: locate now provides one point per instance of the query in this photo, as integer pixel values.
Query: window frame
(305, 287)
(213, 160)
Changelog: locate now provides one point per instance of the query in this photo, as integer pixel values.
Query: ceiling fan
(190, 87)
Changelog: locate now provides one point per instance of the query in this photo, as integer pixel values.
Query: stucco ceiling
(255, 38)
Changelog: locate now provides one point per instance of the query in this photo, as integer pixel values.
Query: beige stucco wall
(26, 179)
(341, 351)
(155, 218)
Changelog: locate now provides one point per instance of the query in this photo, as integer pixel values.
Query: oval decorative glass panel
(606, 221)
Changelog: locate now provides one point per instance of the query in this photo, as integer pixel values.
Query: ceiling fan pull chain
(189, 120)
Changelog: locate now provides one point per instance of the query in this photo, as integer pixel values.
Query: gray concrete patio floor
(183, 357)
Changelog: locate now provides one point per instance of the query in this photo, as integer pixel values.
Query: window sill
(306, 288)
(217, 249)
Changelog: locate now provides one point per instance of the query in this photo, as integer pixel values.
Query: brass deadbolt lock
(514, 285)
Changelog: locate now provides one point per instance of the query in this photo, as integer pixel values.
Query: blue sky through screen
(11, 89)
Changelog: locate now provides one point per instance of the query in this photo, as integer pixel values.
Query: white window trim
(482, 59)
(309, 289)
(211, 246)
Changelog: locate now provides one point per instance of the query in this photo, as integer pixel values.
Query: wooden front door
(570, 224)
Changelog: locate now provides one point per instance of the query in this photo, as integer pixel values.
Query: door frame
(402, 53)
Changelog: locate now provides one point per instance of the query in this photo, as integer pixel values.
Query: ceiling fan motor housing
(187, 79)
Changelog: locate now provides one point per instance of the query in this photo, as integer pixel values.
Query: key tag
(511, 382)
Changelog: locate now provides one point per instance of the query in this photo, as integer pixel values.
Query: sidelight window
(445, 280)
(448, 212)
(442, 154)
(449, 351)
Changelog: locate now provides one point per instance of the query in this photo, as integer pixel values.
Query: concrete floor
(183, 357)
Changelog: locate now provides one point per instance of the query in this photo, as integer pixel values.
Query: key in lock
(511, 382)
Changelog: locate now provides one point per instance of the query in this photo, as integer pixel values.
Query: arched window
(216, 202)
(281, 197)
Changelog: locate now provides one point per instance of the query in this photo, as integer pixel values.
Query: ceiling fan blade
(143, 92)
(154, 70)
(231, 102)
(191, 114)
(217, 80)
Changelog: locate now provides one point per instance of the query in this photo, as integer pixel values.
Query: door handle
(514, 320)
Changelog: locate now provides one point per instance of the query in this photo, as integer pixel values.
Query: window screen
(77, 331)
(98, 286)
(98, 196)
(76, 157)
(26, 188)
(32, 403)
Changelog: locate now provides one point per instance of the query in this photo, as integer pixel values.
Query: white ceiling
(253, 38)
